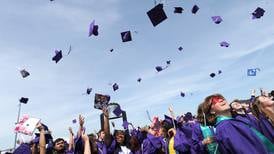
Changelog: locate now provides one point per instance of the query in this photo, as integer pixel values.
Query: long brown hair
(206, 109)
(256, 107)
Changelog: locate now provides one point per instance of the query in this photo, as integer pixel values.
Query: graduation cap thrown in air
(178, 9)
(182, 94)
(93, 29)
(224, 44)
(24, 100)
(217, 19)
(89, 90)
(115, 86)
(212, 75)
(159, 68)
(24, 73)
(195, 9)
(58, 56)
(157, 15)
(126, 36)
(258, 13)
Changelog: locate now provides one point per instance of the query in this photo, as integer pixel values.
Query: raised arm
(81, 125)
(106, 122)
(71, 140)
(85, 138)
(42, 139)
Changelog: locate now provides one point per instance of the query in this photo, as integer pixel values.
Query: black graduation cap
(24, 100)
(183, 94)
(171, 121)
(157, 15)
(24, 73)
(178, 9)
(58, 56)
(195, 9)
(126, 36)
(258, 13)
(159, 68)
(89, 90)
(139, 79)
(111, 50)
(115, 86)
(93, 29)
(180, 48)
(220, 71)
(168, 62)
(212, 75)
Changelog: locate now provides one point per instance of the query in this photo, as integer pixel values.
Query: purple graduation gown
(23, 149)
(248, 119)
(234, 136)
(197, 138)
(181, 143)
(101, 146)
(266, 128)
(152, 143)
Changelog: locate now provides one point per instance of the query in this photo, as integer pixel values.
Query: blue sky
(31, 30)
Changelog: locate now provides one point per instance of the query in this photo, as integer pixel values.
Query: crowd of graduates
(239, 127)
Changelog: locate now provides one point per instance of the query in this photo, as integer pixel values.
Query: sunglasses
(216, 99)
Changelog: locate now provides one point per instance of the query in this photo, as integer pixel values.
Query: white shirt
(125, 150)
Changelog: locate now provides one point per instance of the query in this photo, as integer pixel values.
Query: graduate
(232, 135)
(263, 110)
(239, 112)
(203, 135)
(154, 142)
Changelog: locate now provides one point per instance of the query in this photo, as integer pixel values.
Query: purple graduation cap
(126, 36)
(258, 13)
(74, 121)
(182, 94)
(139, 79)
(157, 15)
(159, 68)
(115, 86)
(212, 75)
(117, 111)
(89, 90)
(171, 121)
(224, 44)
(58, 56)
(93, 29)
(24, 73)
(195, 9)
(24, 100)
(217, 19)
(180, 48)
(178, 9)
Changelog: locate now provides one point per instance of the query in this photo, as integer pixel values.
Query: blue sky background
(31, 30)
